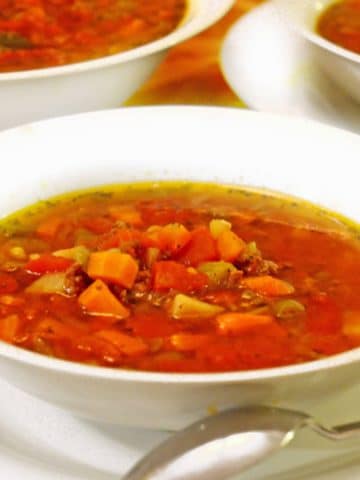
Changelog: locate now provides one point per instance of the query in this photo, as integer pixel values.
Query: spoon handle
(338, 432)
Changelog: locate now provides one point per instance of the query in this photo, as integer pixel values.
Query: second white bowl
(341, 65)
(97, 84)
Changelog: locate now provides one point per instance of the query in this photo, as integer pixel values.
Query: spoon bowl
(218, 447)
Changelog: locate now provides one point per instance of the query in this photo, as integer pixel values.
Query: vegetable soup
(340, 24)
(179, 277)
(45, 33)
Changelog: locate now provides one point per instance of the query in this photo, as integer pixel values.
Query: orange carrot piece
(269, 286)
(171, 237)
(174, 237)
(97, 299)
(113, 266)
(9, 327)
(127, 214)
(236, 322)
(229, 246)
(128, 345)
(52, 328)
(188, 341)
(50, 227)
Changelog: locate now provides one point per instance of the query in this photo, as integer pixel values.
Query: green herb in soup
(179, 277)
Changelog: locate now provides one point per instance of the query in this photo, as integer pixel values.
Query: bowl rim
(18, 355)
(185, 30)
(315, 38)
(59, 366)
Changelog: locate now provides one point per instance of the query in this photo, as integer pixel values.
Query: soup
(340, 24)
(46, 33)
(179, 277)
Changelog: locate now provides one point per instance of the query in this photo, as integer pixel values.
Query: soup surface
(179, 278)
(340, 24)
(45, 33)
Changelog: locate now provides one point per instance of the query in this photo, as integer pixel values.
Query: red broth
(46, 33)
(340, 24)
(179, 277)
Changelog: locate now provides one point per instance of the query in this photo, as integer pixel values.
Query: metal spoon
(228, 443)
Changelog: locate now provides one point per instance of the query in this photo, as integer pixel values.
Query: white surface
(272, 69)
(97, 84)
(228, 145)
(40, 442)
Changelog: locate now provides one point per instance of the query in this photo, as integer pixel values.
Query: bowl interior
(200, 14)
(302, 15)
(296, 157)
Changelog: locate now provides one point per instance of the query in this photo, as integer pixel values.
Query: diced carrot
(90, 345)
(171, 238)
(52, 328)
(172, 275)
(131, 346)
(127, 214)
(98, 225)
(229, 246)
(49, 228)
(97, 299)
(118, 237)
(269, 286)
(201, 248)
(188, 341)
(8, 284)
(9, 327)
(174, 237)
(113, 266)
(48, 263)
(236, 322)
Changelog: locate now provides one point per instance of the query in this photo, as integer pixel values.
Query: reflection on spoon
(228, 443)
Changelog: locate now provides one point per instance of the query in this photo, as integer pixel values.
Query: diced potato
(79, 254)
(217, 272)
(184, 307)
(48, 284)
(218, 226)
(18, 253)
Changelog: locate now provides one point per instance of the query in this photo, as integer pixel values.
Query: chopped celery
(217, 272)
(184, 307)
(287, 308)
(79, 254)
(49, 283)
(218, 226)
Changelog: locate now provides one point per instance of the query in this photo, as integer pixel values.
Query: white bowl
(97, 84)
(340, 64)
(223, 145)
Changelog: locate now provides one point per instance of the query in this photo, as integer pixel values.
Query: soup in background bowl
(100, 77)
(268, 153)
(339, 63)
(45, 34)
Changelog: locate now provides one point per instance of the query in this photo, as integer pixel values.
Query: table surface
(190, 73)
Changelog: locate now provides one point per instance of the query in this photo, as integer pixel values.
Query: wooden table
(191, 74)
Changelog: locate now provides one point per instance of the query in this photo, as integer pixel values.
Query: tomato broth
(340, 24)
(179, 277)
